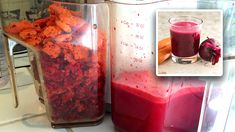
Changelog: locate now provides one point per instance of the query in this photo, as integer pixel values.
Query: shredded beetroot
(73, 71)
(73, 93)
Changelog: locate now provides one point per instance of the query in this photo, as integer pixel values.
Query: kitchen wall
(7, 6)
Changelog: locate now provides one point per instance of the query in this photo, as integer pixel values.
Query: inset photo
(189, 42)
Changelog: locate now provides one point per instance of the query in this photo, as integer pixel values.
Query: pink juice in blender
(184, 106)
(137, 105)
(185, 38)
(142, 102)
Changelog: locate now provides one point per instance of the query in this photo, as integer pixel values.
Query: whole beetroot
(210, 51)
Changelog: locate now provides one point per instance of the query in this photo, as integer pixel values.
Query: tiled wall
(23, 5)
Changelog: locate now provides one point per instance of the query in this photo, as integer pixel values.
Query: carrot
(27, 33)
(162, 57)
(164, 50)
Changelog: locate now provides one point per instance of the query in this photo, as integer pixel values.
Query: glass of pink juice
(185, 38)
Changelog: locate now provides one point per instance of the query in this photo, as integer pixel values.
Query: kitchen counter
(40, 123)
(31, 116)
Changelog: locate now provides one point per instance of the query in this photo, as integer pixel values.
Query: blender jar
(69, 46)
(141, 101)
(34, 72)
(218, 100)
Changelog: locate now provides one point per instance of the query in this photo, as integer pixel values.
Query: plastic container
(35, 74)
(134, 21)
(141, 101)
(231, 116)
(70, 48)
(218, 99)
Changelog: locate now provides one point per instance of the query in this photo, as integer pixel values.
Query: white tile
(4, 6)
(21, 60)
(106, 126)
(29, 104)
(25, 7)
(35, 124)
(23, 77)
(4, 1)
(13, 5)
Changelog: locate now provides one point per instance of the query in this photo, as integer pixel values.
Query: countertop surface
(211, 27)
(30, 116)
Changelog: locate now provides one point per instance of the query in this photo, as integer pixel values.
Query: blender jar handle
(8, 48)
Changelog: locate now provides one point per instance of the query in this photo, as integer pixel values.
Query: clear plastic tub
(69, 46)
(218, 99)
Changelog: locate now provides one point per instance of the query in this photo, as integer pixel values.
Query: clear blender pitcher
(217, 101)
(69, 45)
(141, 101)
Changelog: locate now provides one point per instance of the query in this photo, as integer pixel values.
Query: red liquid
(141, 102)
(185, 39)
(184, 106)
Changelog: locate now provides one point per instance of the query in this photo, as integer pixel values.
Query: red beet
(74, 93)
(210, 51)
